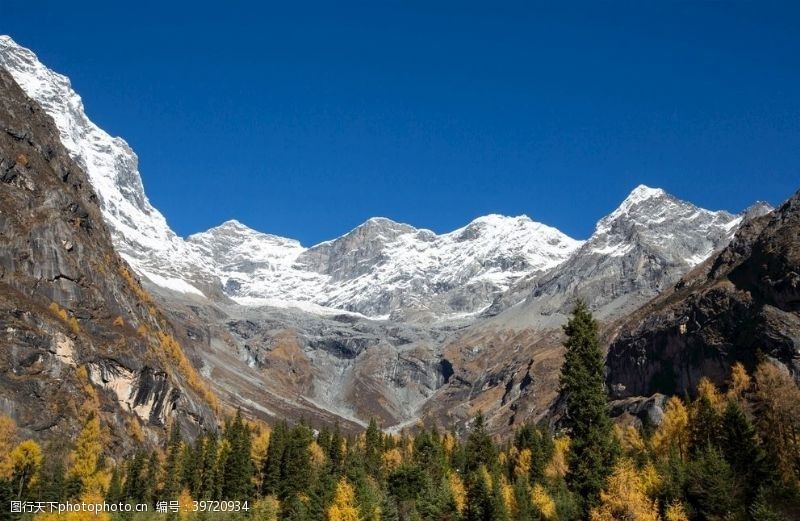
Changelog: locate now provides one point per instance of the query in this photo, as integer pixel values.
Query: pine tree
(172, 470)
(480, 450)
(296, 462)
(271, 472)
(237, 471)
(133, 490)
(373, 444)
(593, 449)
(114, 494)
(209, 480)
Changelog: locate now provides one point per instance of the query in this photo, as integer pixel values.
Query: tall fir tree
(593, 448)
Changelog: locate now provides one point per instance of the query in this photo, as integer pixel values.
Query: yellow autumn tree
(316, 454)
(707, 389)
(507, 495)
(676, 512)
(673, 433)
(543, 502)
(392, 458)
(85, 459)
(740, 382)
(344, 503)
(186, 503)
(557, 467)
(630, 439)
(524, 461)
(26, 459)
(8, 434)
(626, 495)
(458, 491)
(777, 404)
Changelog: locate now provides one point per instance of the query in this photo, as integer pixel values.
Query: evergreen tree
(295, 473)
(134, 488)
(237, 471)
(209, 487)
(114, 493)
(172, 471)
(480, 449)
(373, 446)
(271, 472)
(150, 485)
(593, 449)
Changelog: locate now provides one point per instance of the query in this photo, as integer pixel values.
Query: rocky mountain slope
(78, 334)
(741, 304)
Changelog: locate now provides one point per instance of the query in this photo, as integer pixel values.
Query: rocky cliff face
(75, 326)
(741, 302)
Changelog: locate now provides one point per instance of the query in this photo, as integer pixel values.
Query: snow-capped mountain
(635, 252)
(382, 266)
(377, 268)
(139, 231)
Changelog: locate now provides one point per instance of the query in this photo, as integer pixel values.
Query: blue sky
(306, 119)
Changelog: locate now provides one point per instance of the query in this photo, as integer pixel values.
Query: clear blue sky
(304, 119)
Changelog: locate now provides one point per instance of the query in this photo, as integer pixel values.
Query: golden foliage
(26, 459)
(260, 445)
(8, 433)
(676, 512)
(91, 405)
(85, 458)
(630, 439)
(344, 503)
(119, 321)
(502, 459)
(317, 454)
(392, 458)
(557, 467)
(507, 495)
(626, 495)
(740, 381)
(673, 433)
(524, 460)
(186, 504)
(91, 497)
(707, 389)
(777, 402)
(174, 352)
(458, 491)
(134, 285)
(543, 502)
(65, 317)
(484, 474)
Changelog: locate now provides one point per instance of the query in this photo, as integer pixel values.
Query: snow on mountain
(380, 268)
(139, 231)
(642, 247)
(376, 268)
(681, 231)
(383, 266)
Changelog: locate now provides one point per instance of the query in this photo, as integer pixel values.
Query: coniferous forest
(725, 454)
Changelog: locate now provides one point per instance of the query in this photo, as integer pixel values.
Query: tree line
(731, 455)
